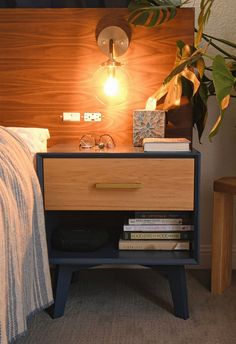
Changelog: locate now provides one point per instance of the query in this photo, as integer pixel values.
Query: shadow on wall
(64, 3)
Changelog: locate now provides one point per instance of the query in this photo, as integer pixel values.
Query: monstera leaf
(172, 87)
(152, 12)
(205, 11)
(224, 82)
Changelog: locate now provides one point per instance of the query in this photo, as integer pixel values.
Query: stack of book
(156, 232)
(166, 144)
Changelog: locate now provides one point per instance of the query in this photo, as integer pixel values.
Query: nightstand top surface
(119, 151)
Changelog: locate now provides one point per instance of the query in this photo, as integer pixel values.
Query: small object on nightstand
(79, 239)
(147, 124)
(106, 141)
(179, 144)
(87, 141)
(101, 145)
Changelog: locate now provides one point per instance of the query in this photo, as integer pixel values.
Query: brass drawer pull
(118, 185)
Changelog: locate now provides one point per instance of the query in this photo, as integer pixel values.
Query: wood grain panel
(165, 184)
(222, 234)
(48, 58)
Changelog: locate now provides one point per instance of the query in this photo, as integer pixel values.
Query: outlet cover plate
(92, 117)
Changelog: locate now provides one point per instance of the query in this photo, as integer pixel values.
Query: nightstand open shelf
(167, 182)
(109, 253)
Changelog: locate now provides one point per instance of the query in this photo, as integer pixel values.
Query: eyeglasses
(104, 141)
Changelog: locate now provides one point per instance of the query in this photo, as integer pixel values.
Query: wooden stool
(222, 234)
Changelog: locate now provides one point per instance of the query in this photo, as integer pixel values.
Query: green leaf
(180, 44)
(203, 17)
(217, 125)
(223, 82)
(154, 19)
(151, 16)
(232, 66)
(192, 59)
(137, 4)
(141, 18)
(176, 2)
(211, 88)
(187, 88)
(199, 102)
(164, 15)
(222, 78)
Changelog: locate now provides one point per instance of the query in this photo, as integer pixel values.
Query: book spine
(152, 221)
(157, 228)
(155, 235)
(154, 245)
(160, 215)
(166, 147)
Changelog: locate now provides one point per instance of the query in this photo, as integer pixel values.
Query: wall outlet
(92, 116)
(71, 117)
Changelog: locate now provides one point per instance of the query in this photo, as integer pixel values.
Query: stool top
(226, 185)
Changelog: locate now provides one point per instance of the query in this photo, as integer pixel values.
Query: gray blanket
(25, 284)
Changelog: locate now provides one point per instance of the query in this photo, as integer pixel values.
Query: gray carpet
(134, 307)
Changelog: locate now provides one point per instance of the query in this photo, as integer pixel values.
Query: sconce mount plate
(119, 37)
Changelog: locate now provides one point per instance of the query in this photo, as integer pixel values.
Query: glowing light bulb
(111, 87)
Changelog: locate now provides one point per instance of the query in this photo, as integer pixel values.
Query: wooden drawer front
(138, 184)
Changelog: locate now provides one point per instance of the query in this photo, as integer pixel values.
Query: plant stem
(231, 44)
(218, 48)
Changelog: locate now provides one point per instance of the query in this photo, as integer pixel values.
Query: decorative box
(147, 124)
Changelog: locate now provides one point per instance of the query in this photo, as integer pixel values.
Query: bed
(24, 270)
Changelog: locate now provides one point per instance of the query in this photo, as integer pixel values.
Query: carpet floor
(134, 307)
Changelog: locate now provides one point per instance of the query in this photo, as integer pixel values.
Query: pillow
(34, 138)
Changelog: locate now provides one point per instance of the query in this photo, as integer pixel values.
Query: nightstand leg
(63, 280)
(177, 281)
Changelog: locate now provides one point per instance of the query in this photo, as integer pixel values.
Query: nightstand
(109, 186)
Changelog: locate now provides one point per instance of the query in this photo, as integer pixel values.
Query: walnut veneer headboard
(47, 61)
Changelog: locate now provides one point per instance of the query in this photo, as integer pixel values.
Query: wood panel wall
(48, 58)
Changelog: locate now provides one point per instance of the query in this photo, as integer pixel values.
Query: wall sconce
(111, 81)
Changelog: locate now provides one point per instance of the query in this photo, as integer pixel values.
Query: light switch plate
(71, 117)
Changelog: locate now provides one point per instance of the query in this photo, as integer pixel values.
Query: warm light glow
(111, 86)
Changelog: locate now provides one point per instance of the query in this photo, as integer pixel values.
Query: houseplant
(196, 74)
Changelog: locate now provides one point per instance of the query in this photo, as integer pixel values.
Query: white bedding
(24, 270)
(34, 138)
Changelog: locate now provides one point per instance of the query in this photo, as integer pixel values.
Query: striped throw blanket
(24, 270)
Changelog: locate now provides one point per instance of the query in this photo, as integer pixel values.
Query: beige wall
(218, 157)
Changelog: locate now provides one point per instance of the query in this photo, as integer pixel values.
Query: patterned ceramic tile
(147, 124)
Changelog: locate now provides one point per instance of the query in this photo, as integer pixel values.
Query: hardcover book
(155, 245)
(166, 145)
(153, 221)
(157, 235)
(160, 215)
(157, 228)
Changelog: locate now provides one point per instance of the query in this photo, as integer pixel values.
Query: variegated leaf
(173, 97)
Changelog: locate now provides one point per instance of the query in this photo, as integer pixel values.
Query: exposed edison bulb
(111, 85)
